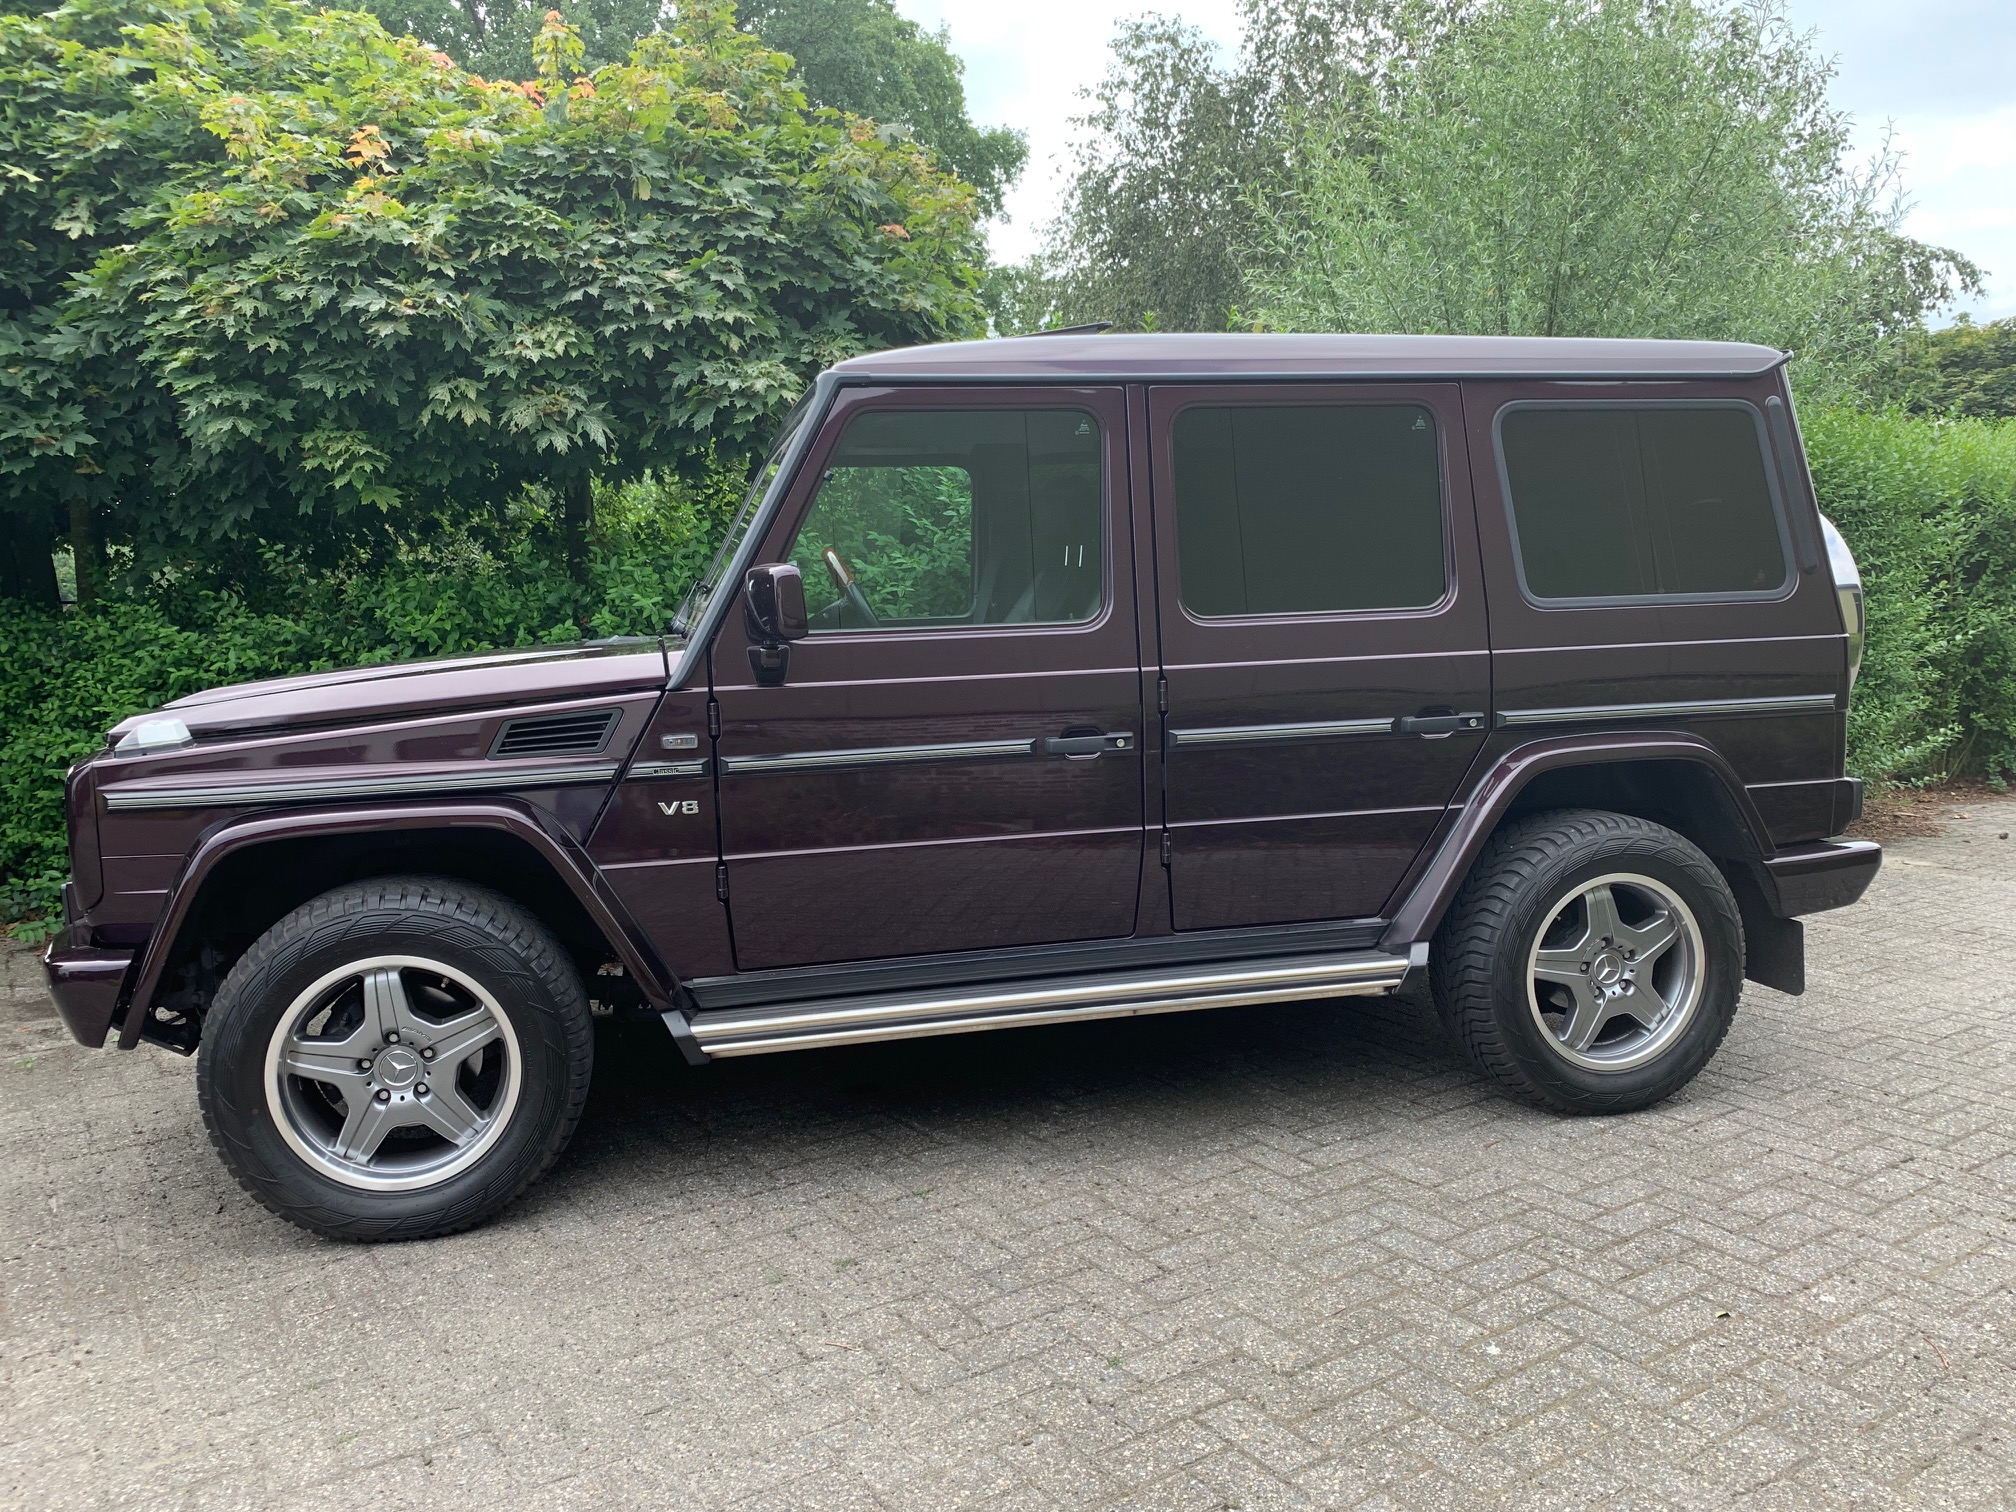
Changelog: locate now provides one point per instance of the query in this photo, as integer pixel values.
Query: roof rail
(1089, 328)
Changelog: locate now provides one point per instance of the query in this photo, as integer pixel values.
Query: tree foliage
(861, 57)
(1600, 168)
(294, 279)
(855, 56)
(1156, 230)
(1595, 167)
(1966, 369)
(493, 38)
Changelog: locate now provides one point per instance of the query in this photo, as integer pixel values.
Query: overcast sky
(1938, 71)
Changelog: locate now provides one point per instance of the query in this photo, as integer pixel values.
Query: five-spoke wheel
(1616, 971)
(397, 1058)
(392, 1072)
(1591, 962)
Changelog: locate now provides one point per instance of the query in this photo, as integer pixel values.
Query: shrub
(1929, 508)
(66, 677)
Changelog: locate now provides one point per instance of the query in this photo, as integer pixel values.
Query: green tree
(355, 286)
(856, 56)
(493, 38)
(1155, 229)
(1600, 168)
(861, 57)
(1966, 369)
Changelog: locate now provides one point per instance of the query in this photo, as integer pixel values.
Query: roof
(1177, 355)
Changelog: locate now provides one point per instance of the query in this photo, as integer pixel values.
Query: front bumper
(1829, 874)
(86, 985)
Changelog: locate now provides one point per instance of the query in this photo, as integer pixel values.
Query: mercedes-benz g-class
(1038, 680)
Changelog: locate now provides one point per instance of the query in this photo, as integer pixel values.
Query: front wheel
(396, 1059)
(1591, 963)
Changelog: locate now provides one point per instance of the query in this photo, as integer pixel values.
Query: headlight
(1848, 591)
(153, 735)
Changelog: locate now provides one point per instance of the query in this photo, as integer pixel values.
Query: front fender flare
(1433, 890)
(558, 849)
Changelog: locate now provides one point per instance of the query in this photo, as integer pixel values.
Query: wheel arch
(1674, 779)
(244, 875)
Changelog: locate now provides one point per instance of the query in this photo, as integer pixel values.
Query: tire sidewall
(265, 983)
(1701, 887)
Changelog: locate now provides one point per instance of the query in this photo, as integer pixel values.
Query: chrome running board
(822, 1022)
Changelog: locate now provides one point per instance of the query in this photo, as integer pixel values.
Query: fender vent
(582, 734)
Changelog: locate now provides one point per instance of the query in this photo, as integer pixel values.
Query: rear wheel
(396, 1059)
(1592, 962)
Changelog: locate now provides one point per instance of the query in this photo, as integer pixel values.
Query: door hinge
(1161, 695)
(721, 882)
(1165, 847)
(713, 718)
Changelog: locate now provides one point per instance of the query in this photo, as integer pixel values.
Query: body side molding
(1693, 708)
(397, 783)
(559, 850)
(1418, 915)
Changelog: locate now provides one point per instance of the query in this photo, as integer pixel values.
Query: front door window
(934, 518)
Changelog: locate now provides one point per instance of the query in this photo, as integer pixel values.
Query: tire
(373, 989)
(1558, 995)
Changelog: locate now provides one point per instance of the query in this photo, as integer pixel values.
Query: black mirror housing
(773, 610)
(773, 603)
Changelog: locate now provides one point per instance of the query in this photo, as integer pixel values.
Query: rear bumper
(1830, 874)
(85, 984)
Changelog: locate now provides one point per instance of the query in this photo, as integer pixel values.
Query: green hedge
(1929, 507)
(66, 678)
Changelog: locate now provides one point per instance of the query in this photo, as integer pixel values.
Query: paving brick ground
(1294, 1257)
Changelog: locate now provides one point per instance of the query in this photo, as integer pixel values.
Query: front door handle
(1438, 724)
(1088, 745)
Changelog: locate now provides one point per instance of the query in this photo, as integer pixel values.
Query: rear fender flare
(1423, 905)
(568, 861)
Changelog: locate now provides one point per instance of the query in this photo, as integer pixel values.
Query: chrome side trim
(1803, 703)
(392, 785)
(648, 769)
(822, 761)
(1316, 730)
(849, 1021)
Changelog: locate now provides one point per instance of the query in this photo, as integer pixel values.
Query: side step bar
(823, 1022)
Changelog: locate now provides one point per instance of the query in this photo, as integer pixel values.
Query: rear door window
(1307, 509)
(1641, 502)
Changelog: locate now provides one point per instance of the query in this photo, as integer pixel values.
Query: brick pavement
(1294, 1257)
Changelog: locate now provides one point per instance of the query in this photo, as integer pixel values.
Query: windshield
(694, 604)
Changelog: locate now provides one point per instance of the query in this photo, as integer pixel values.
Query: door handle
(1438, 724)
(1088, 745)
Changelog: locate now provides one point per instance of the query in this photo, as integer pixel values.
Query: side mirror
(773, 609)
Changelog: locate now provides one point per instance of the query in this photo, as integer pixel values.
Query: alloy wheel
(393, 1073)
(1616, 972)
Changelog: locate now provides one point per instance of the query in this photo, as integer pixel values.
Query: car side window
(941, 518)
(1307, 509)
(1640, 502)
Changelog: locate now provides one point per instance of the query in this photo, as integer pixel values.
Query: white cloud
(1938, 76)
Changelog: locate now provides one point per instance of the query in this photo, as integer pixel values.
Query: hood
(395, 690)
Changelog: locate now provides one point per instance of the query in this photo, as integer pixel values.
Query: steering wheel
(843, 579)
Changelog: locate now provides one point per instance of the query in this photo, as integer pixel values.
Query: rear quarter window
(1642, 501)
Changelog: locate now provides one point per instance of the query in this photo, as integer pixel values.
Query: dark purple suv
(1039, 680)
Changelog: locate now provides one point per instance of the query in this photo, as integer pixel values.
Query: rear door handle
(1438, 724)
(1088, 745)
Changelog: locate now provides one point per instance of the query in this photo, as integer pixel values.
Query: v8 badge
(687, 806)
